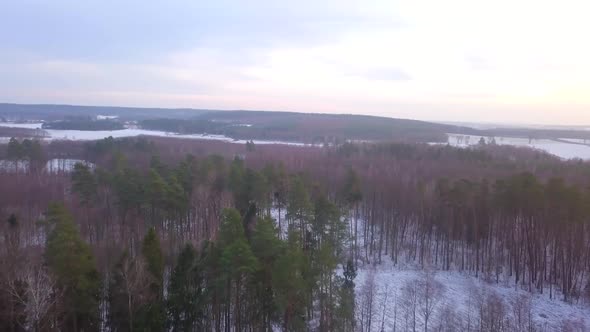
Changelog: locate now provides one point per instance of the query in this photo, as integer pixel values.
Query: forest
(166, 234)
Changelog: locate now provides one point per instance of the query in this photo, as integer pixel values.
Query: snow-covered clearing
(391, 294)
(457, 300)
(462, 297)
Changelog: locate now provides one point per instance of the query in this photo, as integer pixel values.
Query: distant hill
(264, 125)
(317, 128)
(282, 126)
(58, 112)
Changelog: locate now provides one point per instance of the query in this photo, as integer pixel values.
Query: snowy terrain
(458, 301)
(461, 299)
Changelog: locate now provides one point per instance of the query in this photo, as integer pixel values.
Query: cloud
(478, 62)
(386, 74)
(380, 57)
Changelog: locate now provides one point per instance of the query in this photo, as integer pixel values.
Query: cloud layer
(455, 60)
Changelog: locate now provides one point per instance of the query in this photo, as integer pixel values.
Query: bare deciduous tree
(410, 305)
(448, 319)
(367, 298)
(430, 292)
(38, 297)
(492, 313)
(522, 314)
(135, 281)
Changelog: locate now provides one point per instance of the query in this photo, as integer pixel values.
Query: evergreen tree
(156, 189)
(238, 263)
(186, 296)
(299, 208)
(84, 183)
(292, 285)
(70, 259)
(14, 150)
(152, 314)
(267, 247)
(346, 300)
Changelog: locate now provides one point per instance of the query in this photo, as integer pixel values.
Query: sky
(499, 61)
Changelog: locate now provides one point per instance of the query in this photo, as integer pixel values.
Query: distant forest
(306, 128)
(277, 126)
(84, 124)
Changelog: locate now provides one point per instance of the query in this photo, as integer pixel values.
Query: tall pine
(70, 259)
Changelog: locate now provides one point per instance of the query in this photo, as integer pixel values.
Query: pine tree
(70, 259)
(84, 183)
(238, 263)
(152, 314)
(267, 247)
(346, 299)
(299, 208)
(186, 296)
(292, 284)
(14, 152)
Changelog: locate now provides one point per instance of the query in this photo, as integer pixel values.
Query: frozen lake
(560, 149)
(82, 135)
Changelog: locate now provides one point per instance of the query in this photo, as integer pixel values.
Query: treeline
(186, 235)
(183, 126)
(84, 124)
(25, 154)
(21, 132)
(536, 233)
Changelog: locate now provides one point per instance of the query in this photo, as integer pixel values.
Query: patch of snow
(461, 292)
(25, 125)
(107, 117)
(462, 295)
(283, 226)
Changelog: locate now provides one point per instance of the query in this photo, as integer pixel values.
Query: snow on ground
(460, 300)
(106, 117)
(461, 297)
(283, 226)
(460, 294)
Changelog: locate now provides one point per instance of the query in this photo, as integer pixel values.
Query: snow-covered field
(560, 149)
